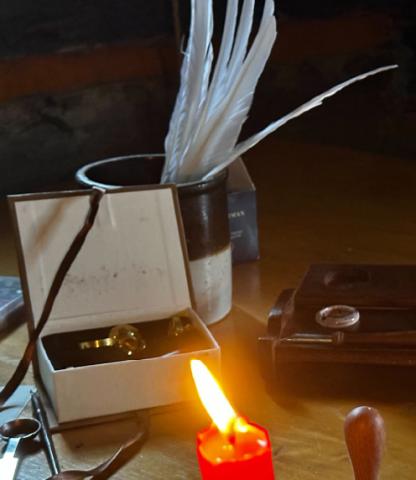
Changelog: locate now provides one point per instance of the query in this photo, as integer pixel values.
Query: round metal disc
(338, 316)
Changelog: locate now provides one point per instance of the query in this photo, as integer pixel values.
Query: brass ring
(179, 324)
(126, 337)
(99, 343)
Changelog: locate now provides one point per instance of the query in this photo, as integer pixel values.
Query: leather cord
(107, 468)
(63, 268)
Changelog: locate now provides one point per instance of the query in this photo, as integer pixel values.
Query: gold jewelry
(126, 337)
(179, 324)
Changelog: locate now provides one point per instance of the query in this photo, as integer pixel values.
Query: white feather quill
(237, 105)
(210, 110)
(219, 77)
(195, 72)
(216, 90)
(237, 95)
(225, 159)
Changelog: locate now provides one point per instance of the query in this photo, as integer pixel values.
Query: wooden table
(315, 204)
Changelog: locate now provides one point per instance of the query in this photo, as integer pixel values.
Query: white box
(133, 267)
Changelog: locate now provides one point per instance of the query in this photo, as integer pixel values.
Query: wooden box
(384, 296)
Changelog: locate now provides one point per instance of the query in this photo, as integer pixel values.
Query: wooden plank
(54, 73)
(316, 204)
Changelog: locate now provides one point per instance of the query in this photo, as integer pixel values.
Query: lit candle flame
(213, 398)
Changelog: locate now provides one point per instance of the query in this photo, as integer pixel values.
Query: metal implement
(126, 337)
(14, 432)
(338, 317)
(398, 339)
(45, 433)
(178, 325)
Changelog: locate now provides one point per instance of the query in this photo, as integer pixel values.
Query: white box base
(110, 388)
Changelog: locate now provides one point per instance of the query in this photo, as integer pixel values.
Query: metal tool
(15, 431)
(338, 317)
(399, 339)
(45, 433)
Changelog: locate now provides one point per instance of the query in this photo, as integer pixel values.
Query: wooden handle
(365, 435)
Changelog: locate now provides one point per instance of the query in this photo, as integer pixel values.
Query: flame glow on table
(232, 447)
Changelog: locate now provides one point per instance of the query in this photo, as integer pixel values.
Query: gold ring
(179, 324)
(126, 337)
(102, 342)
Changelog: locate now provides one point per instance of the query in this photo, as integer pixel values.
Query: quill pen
(313, 103)
(213, 104)
(195, 71)
(222, 128)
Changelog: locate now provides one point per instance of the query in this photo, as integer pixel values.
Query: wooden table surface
(316, 204)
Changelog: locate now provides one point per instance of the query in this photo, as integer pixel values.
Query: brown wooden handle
(365, 435)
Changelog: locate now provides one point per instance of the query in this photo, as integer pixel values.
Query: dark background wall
(43, 26)
(83, 80)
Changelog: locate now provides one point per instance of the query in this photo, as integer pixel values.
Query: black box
(242, 214)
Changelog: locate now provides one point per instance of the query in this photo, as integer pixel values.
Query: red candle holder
(242, 456)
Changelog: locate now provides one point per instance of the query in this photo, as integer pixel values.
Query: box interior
(62, 349)
(147, 383)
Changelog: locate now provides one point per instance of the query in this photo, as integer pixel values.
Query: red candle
(232, 448)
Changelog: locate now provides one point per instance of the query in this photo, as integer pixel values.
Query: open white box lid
(133, 264)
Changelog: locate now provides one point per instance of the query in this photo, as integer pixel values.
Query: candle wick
(231, 437)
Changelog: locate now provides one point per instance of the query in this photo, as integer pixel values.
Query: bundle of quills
(215, 97)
